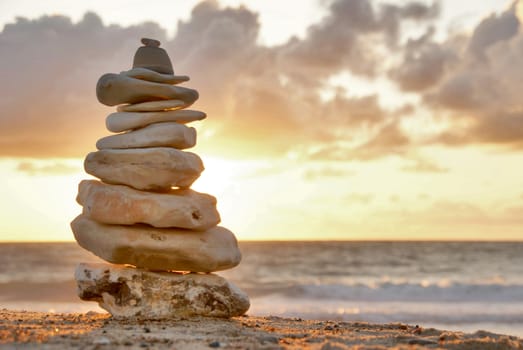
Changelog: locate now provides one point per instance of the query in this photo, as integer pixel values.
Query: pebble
(153, 106)
(153, 76)
(123, 121)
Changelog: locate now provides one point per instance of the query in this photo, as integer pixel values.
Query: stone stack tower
(161, 237)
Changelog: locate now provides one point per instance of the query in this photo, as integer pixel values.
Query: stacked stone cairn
(161, 237)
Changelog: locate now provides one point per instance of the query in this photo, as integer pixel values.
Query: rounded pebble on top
(150, 42)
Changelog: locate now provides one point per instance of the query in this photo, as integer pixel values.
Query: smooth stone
(122, 205)
(163, 249)
(152, 56)
(114, 89)
(123, 121)
(154, 169)
(128, 292)
(168, 134)
(150, 75)
(150, 42)
(153, 106)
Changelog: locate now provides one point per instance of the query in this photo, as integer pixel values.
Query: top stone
(150, 42)
(153, 57)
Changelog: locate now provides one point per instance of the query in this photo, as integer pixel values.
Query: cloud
(388, 140)
(493, 29)
(54, 168)
(424, 63)
(359, 198)
(423, 165)
(265, 100)
(326, 171)
(472, 81)
(49, 70)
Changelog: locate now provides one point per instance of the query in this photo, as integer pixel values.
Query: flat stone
(150, 42)
(160, 249)
(122, 121)
(128, 292)
(153, 106)
(154, 169)
(122, 205)
(114, 89)
(150, 75)
(168, 134)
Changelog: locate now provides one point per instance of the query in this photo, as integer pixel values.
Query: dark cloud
(49, 70)
(418, 11)
(424, 63)
(493, 29)
(260, 100)
(350, 37)
(472, 81)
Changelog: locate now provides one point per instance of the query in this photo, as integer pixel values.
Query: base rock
(131, 292)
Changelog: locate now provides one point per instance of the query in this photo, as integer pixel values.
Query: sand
(36, 330)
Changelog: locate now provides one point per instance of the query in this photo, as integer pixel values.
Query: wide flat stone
(159, 248)
(122, 121)
(128, 292)
(114, 89)
(169, 134)
(155, 169)
(122, 205)
(151, 75)
(153, 106)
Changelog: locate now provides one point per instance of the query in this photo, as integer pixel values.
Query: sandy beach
(36, 330)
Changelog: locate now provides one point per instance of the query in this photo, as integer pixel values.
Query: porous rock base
(132, 292)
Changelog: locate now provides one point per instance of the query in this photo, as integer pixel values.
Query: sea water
(451, 285)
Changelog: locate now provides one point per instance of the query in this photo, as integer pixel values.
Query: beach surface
(38, 330)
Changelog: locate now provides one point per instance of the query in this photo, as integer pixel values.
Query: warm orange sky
(351, 119)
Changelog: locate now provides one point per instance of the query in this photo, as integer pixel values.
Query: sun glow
(519, 10)
(39, 199)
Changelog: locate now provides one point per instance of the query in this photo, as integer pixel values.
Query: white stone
(154, 106)
(127, 292)
(150, 75)
(170, 134)
(122, 205)
(114, 89)
(162, 249)
(155, 169)
(122, 121)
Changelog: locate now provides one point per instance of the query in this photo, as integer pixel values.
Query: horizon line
(388, 240)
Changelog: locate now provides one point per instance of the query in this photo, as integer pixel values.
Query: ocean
(448, 285)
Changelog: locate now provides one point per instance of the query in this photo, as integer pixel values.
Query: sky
(334, 119)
